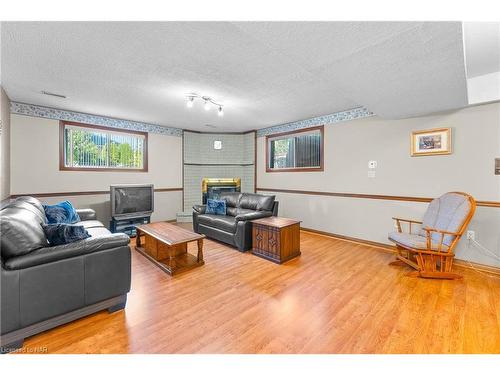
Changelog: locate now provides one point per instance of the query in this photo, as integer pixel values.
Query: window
(96, 148)
(298, 151)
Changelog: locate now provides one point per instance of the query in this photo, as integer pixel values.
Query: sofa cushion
(232, 199)
(86, 214)
(257, 202)
(91, 224)
(98, 232)
(448, 212)
(21, 203)
(63, 212)
(243, 211)
(414, 241)
(21, 229)
(60, 234)
(225, 223)
(35, 203)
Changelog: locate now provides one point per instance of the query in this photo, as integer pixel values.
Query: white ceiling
(482, 47)
(265, 73)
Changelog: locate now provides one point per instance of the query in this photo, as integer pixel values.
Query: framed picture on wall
(431, 142)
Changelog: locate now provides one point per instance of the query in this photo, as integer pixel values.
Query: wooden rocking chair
(431, 249)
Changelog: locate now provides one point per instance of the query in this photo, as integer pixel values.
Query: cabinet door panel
(274, 243)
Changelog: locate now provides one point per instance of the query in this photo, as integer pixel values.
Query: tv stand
(128, 225)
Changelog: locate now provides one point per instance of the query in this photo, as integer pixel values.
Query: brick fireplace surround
(201, 160)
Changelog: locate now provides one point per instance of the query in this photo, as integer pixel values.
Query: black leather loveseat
(42, 286)
(235, 228)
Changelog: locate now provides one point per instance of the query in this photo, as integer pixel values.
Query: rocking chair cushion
(414, 241)
(448, 212)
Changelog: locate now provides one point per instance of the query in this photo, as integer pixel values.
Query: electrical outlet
(471, 235)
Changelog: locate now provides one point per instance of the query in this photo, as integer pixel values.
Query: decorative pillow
(60, 234)
(61, 213)
(216, 207)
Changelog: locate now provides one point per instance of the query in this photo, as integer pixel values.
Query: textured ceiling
(265, 73)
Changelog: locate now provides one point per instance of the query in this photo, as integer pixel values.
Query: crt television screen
(133, 199)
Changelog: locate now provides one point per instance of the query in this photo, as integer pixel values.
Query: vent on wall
(53, 94)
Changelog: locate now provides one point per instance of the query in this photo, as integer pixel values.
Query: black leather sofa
(42, 286)
(235, 228)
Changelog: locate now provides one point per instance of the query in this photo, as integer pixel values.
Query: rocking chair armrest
(410, 222)
(428, 236)
(428, 230)
(407, 220)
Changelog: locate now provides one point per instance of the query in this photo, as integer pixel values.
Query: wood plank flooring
(337, 297)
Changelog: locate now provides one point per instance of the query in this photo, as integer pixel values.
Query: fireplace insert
(211, 188)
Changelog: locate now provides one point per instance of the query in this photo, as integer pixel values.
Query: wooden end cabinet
(276, 238)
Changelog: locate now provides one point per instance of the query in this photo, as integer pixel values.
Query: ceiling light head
(221, 111)
(190, 101)
(206, 105)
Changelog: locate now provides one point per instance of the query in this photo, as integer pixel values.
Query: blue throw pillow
(61, 213)
(216, 207)
(60, 234)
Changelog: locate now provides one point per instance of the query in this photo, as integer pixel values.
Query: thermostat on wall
(217, 145)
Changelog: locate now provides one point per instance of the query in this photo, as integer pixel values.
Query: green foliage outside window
(85, 147)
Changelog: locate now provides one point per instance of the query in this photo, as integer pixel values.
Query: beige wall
(350, 145)
(4, 145)
(35, 168)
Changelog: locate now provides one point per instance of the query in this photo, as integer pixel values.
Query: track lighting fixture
(206, 105)
(208, 102)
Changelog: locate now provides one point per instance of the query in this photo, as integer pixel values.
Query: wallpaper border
(60, 114)
(350, 114)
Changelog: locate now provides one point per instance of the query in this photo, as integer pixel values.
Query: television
(131, 200)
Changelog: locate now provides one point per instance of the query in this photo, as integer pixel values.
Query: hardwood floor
(337, 297)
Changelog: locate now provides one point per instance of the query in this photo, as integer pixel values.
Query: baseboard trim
(477, 266)
(392, 249)
(379, 245)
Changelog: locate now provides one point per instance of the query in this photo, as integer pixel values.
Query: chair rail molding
(60, 114)
(350, 114)
(480, 203)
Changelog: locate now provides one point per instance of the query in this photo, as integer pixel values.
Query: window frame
(62, 164)
(270, 137)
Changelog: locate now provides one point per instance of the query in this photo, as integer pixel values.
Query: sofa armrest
(70, 250)
(253, 215)
(86, 214)
(200, 208)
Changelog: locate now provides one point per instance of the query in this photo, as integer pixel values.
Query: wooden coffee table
(165, 245)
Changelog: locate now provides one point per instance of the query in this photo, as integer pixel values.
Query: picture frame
(431, 142)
